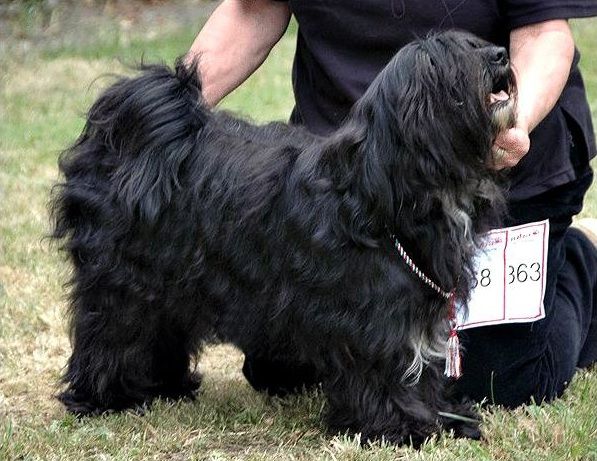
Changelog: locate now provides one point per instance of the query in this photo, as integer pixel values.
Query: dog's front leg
(379, 407)
(376, 404)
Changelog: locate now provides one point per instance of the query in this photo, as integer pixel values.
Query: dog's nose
(498, 55)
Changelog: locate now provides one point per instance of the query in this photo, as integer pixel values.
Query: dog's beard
(502, 102)
(503, 114)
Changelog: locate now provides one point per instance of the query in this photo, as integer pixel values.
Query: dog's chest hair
(463, 224)
(424, 350)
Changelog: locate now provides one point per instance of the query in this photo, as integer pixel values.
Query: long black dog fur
(187, 226)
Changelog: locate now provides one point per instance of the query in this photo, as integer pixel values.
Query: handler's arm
(235, 41)
(541, 55)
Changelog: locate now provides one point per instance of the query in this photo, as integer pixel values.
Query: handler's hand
(510, 147)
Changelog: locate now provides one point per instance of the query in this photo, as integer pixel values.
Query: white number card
(510, 277)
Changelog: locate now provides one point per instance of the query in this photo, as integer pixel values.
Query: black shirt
(342, 45)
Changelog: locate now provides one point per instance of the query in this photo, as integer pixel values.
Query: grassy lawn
(42, 97)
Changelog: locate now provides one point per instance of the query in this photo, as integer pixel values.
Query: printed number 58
(484, 280)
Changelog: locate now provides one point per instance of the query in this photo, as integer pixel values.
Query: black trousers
(511, 364)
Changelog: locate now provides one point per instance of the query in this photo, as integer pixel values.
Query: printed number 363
(524, 273)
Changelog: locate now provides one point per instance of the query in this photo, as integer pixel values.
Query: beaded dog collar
(453, 360)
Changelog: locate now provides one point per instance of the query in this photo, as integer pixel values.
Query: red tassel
(453, 361)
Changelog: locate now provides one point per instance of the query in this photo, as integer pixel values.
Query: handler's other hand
(510, 147)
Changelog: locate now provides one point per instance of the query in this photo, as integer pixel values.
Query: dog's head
(422, 136)
(449, 95)
(468, 73)
(434, 111)
(496, 81)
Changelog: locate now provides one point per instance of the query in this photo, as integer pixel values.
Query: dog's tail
(128, 161)
(139, 132)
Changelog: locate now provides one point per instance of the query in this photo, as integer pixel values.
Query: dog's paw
(80, 406)
(467, 430)
(186, 390)
(465, 425)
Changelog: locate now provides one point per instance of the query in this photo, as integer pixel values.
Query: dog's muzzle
(502, 98)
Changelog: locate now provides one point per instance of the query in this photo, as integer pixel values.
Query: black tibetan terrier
(333, 255)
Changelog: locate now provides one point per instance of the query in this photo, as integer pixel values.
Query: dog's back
(152, 152)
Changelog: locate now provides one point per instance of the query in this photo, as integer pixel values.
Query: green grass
(41, 102)
(586, 39)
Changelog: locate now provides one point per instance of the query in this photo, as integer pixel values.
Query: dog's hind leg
(125, 219)
(125, 353)
(108, 368)
(171, 375)
(278, 376)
